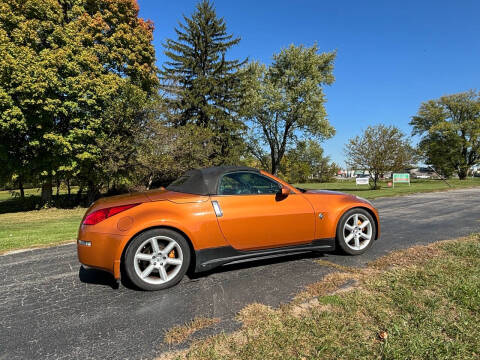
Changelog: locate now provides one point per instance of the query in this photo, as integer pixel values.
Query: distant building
(423, 173)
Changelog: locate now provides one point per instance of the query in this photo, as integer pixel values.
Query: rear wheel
(356, 231)
(157, 259)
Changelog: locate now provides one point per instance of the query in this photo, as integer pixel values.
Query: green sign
(401, 178)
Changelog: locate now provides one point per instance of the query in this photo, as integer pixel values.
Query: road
(51, 308)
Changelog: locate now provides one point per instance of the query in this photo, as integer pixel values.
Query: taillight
(102, 214)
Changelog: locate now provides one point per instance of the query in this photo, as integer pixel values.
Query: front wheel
(157, 259)
(356, 231)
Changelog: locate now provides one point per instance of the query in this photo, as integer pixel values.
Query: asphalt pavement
(51, 308)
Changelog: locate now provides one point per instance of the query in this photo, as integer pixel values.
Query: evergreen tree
(203, 87)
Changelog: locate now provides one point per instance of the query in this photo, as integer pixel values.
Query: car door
(252, 216)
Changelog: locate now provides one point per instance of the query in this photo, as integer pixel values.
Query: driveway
(51, 308)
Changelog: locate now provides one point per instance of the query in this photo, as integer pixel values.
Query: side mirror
(283, 193)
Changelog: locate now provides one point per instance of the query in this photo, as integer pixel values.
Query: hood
(340, 194)
(327, 192)
(340, 197)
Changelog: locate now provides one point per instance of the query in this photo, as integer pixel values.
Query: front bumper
(100, 251)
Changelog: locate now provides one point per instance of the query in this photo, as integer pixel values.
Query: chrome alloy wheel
(158, 260)
(357, 232)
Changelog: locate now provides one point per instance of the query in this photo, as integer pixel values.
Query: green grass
(10, 201)
(417, 186)
(38, 227)
(15, 194)
(422, 303)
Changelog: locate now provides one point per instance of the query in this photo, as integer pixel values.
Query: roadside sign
(361, 181)
(401, 178)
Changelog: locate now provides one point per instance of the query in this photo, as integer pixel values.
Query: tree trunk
(91, 192)
(150, 180)
(274, 169)
(375, 180)
(22, 190)
(462, 172)
(67, 181)
(274, 164)
(79, 193)
(47, 190)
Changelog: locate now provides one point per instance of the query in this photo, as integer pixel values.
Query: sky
(391, 55)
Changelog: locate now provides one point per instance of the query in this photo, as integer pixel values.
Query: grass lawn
(9, 195)
(420, 303)
(10, 200)
(38, 227)
(416, 186)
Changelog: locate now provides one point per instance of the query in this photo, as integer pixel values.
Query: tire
(349, 230)
(156, 267)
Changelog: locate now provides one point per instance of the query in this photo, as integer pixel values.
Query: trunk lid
(176, 197)
(146, 196)
(119, 200)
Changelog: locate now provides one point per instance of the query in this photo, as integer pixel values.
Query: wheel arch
(187, 238)
(370, 211)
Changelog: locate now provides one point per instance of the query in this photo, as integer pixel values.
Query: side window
(244, 183)
(230, 186)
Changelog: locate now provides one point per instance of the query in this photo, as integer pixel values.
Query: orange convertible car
(214, 216)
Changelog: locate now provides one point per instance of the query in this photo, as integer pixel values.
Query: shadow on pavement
(256, 262)
(97, 277)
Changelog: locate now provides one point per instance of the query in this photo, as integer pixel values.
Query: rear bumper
(103, 253)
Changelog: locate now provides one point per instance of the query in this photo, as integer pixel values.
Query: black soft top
(204, 181)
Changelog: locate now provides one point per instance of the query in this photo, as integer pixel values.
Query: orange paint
(261, 221)
(248, 222)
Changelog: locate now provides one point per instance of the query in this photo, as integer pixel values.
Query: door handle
(217, 208)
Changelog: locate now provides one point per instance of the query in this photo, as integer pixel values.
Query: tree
(202, 87)
(379, 149)
(285, 101)
(62, 64)
(165, 152)
(114, 152)
(307, 162)
(450, 130)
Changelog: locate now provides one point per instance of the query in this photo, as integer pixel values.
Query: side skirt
(207, 259)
